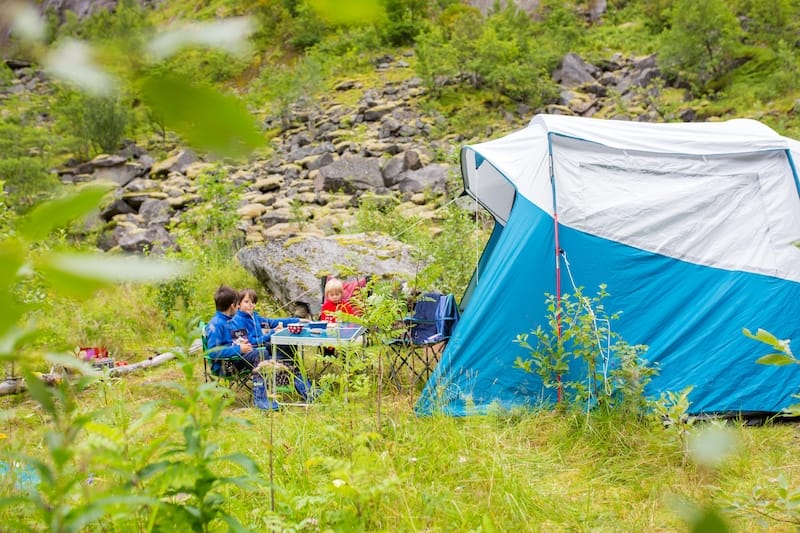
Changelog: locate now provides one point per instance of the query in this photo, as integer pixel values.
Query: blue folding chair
(427, 331)
(229, 373)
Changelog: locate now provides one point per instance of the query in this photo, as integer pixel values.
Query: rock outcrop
(292, 268)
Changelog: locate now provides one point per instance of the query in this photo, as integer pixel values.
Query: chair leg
(403, 359)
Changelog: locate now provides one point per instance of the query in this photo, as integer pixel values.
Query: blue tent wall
(674, 306)
(477, 367)
(481, 268)
(665, 303)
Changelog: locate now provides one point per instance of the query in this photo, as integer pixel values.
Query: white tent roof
(722, 194)
(696, 138)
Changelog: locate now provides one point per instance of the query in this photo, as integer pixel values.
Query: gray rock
(105, 160)
(290, 269)
(573, 71)
(388, 127)
(349, 174)
(119, 174)
(175, 163)
(155, 211)
(432, 178)
(132, 238)
(393, 169)
(117, 207)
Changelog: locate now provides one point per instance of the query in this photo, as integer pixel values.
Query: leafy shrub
(769, 22)
(211, 226)
(405, 20)
(702, 44)
(495, 53)
(202, 65)
(657, 14)
(26, 161)
(284, 86)
(99, 122)
(579, 328)
(126, 20)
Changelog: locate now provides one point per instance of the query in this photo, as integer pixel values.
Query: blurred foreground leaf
(229, 34)
(45, 217)
(24, 20)
(116, 268)
(348, 12)
(73, 61)
(208, 120)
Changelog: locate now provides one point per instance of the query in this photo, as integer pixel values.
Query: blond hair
(333, 285)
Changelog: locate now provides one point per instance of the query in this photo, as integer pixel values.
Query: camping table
(344, 334)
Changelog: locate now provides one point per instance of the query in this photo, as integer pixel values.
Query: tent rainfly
(693, 227)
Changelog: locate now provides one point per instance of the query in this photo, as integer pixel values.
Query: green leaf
(709, 521)
(764, 336)
(246, 462)
(115, 268)
(348, 12)
(227, 34)
(207, 119)
(776, 359)
(39, 392)
(71, 362)
(12, 257)
(71, 285)
(81, 517)
(50, 215)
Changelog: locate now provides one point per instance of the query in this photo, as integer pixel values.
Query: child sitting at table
(259, 331)
(223, 343)
(334, 302)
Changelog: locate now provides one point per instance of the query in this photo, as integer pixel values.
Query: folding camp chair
(427, 331)
(233, 373)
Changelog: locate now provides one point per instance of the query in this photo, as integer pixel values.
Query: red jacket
(329, 308)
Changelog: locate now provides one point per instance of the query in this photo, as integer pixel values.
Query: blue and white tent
(693, 228)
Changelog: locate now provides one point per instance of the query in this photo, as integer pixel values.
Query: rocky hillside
(330, 154)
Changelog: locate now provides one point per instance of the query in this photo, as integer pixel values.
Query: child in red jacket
(334, 291)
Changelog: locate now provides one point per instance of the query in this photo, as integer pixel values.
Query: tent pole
(558, 296)
(557, 255)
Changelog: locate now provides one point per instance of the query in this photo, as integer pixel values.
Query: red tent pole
(558, 293)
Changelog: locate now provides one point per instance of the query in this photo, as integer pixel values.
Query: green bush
(701, 46)
(769, 22)
(204, 65)
(98, 122)
(496, 53)
(25, 162)
(579, 328)
(405, 20)
(127, 19)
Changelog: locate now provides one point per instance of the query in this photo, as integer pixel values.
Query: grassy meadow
(161, 450)
(331, 468)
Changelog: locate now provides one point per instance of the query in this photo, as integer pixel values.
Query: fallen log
(156, 360)
(18, 385)
(12, 386)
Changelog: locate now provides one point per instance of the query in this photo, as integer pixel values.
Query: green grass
(539, 471)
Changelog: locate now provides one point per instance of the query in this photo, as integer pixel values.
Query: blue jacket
(219, 338)
(259, 329)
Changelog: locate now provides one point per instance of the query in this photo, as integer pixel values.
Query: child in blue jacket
(259, 331)
(220, 340)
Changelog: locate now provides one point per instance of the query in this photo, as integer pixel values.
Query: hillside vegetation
(163, 451)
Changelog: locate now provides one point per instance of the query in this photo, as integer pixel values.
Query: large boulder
(291, 268)
(350, 174)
